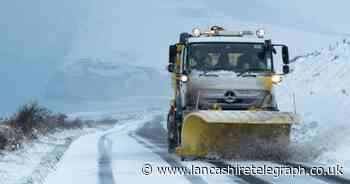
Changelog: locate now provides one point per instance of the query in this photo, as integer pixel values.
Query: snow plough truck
(224, 103)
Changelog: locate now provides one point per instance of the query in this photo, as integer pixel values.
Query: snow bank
(321, 85)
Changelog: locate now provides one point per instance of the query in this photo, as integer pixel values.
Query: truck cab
(222, 70)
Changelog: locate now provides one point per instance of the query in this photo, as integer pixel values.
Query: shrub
(31, 119)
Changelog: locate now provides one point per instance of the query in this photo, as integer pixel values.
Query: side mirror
(268, 46)
(172, 54)
(285, 55)
(184, 37)
(286, 69)
(171, 67)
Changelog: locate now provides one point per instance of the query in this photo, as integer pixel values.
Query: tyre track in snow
(104, 146)
(105, 171)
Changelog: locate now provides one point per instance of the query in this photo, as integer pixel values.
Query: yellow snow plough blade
(231, 133)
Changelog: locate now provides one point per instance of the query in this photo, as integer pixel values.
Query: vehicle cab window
(236, 57)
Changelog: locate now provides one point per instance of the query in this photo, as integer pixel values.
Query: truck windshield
(237, 57)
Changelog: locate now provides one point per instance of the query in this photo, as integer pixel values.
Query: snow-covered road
(135, 151)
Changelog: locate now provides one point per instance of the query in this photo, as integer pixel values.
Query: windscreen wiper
(241, 73)
(206, 74)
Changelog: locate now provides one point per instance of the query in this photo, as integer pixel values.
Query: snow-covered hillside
(93, 80)
(321, 85)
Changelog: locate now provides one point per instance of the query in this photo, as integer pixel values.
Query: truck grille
(238, 104)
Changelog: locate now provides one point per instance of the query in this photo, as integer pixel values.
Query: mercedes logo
(230, 97)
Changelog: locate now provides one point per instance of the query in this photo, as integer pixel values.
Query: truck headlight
(276, 79)
(184, 78)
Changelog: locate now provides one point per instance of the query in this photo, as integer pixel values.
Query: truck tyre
(171, 126)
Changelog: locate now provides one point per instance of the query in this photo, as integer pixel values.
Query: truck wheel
(171, 132)
(171, 146)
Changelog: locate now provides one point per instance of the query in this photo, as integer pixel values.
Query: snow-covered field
(33, 161)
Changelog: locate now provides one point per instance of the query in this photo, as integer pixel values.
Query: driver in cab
(200, 60)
